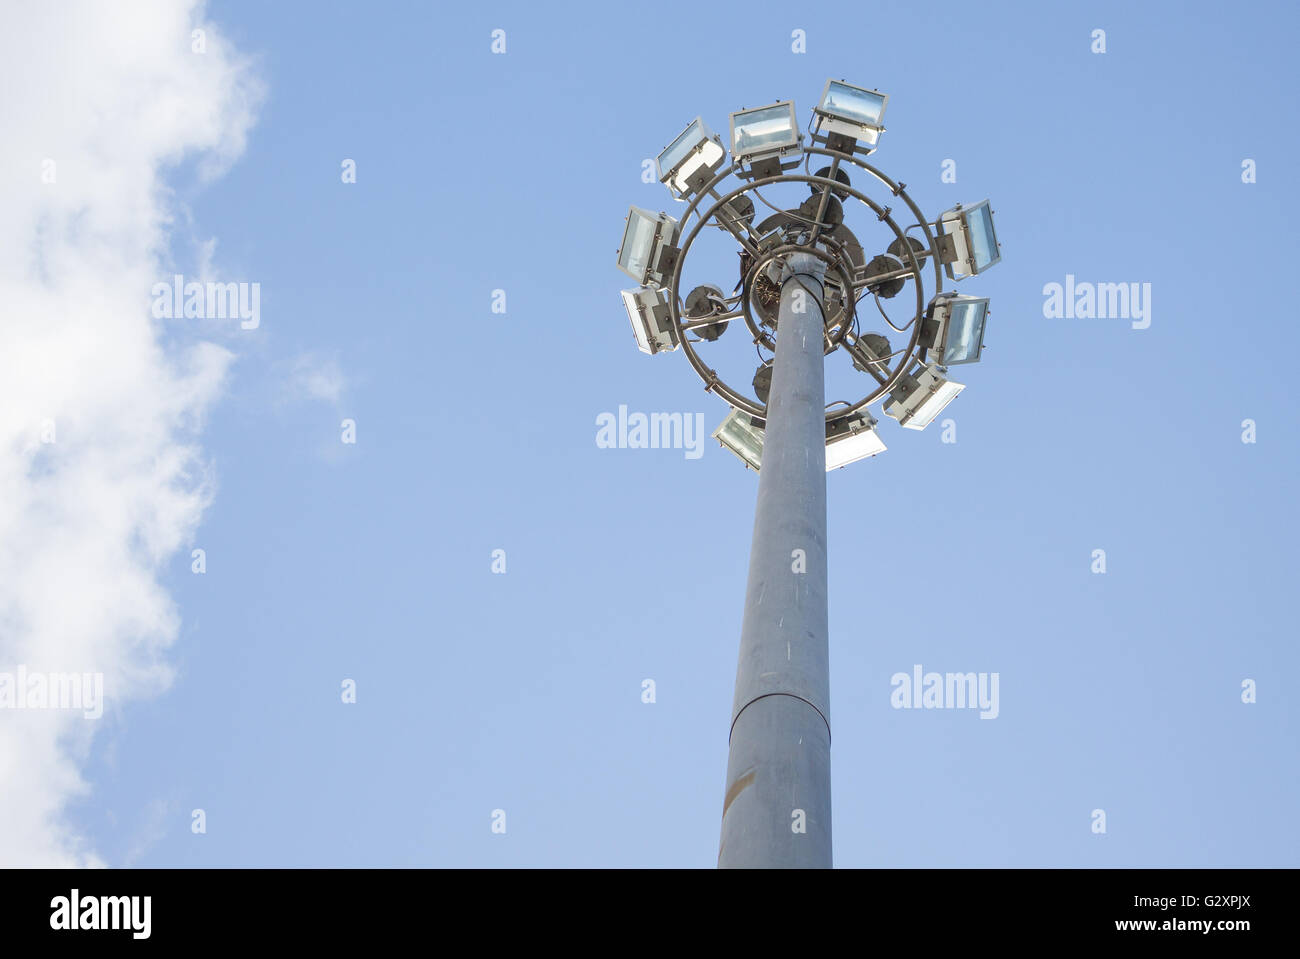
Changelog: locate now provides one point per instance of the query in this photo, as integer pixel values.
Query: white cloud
(111, 93)
(315, 377)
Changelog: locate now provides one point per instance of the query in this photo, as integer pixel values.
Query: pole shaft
(777, 806)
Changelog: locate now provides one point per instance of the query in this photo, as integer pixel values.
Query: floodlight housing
(764, 133)
(691, 160)
(846, 442)
(652, 322)
(953, 331)
(917, 400)
(968, 244)
(739, 434)
(762, 382)
(647, 253)
(852, 440)
(853, 113)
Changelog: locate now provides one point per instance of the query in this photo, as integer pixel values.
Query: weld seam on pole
(792, 696)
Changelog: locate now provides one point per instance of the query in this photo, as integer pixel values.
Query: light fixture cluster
(766, 143)
(847, 440)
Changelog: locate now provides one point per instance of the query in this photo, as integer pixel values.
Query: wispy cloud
(314, 377)
(101, 476)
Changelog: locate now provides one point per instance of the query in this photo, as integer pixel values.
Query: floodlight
(647, 253)
(762, 382)
(853, 113)
(846, 442)
(917, 400)
(954, 328)
(876, 349)
(852, 440)
(885, 264)
(840, 177)
(739, 434)
(967, 243)
(690, 160)
(651, 322)
(764, 132)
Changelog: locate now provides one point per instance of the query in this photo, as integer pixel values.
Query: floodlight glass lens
(934, 405)
(760, 129)
(638, 320)
(983, 241)
(849, 449)
(965, 331)
(741, 437)
(747, 444)
(679, 148)
(850, 103)
(634, 257)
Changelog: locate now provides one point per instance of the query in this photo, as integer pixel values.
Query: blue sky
(475, 431)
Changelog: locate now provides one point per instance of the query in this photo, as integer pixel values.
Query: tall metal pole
(777, 808)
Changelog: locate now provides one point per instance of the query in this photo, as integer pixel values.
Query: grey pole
(777, 808)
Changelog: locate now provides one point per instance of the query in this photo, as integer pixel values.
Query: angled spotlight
(846, 442)
(877, 351)
(761, 136)
(967, 242)
(651, 323)
(840, 177)
(852, 440)
(762, 382)
(852, 114)
(647, 253)
(691, 160)
(917, 400)
(953, 331)
(739, 434)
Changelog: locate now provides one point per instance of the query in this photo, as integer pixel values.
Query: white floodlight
(739, 434)
(968, 243)
(647, 253)
(851, 112)
(764, 132)
(954, 328)
(917, 400)
(690, 160)
(851, 441)
(846, 443)
(651, 322)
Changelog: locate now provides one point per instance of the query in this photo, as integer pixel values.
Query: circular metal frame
(761, 335)
(909, 356)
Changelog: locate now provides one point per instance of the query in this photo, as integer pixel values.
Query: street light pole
(803, 272)
(777, 807)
